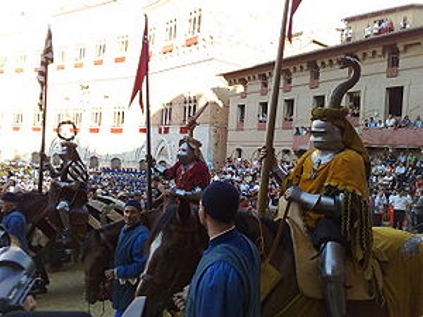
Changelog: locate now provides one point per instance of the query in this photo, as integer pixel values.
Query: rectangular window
(241, 114)
(194, 22)
(393, 57)
(122, 45)
(60, 116)
(167, 114)
(17, 118)
(314, 71)
(95, 120)
(100, 49)
(287, 77)
(190, 107)
(3, 60)
(60, 55)
(318, 101)
(289, 110)
(152, 36)
(80, 53)
(118, 118)
(20, 60)
(76, 117)
(37, 119)
(395, 100)
(171, 30)
(353, 101)
(262, 112)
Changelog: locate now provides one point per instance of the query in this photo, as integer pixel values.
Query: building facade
(390, 84)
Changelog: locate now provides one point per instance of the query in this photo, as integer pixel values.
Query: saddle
(307, 262)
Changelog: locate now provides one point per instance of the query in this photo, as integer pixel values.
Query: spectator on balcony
(391, 122)
(262, 118)
(404, 24)
(368, 31)
(372, 123)
(348, 34)
(405, 122)
(418, 123)
(380, 124)
(376, 27)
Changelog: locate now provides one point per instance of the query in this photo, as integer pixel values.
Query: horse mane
(86, 245)
(168, 217)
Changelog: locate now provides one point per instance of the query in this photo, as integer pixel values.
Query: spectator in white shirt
(401, 203)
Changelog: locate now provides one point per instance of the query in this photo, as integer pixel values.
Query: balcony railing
(403, 137)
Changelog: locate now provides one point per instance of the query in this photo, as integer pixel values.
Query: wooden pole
(43, 135)
(271, 117)
(149, 157)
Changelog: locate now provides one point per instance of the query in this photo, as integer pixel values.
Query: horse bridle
(158, 281)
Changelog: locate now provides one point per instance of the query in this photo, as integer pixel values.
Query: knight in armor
(330, 184)
(69, 186)
(190, 173)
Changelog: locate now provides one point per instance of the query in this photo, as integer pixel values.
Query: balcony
(191, 41)
(116, 130)
(163, 130)
(393, 138)
(167, 49)
(390, 138)
(392, 72)
(287, 125)
(239, 127)
(313, 83)
(261, 126)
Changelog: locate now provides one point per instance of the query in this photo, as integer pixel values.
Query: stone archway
(115, 163)
(94, 162)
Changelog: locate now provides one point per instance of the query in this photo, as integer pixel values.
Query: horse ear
(184, 210)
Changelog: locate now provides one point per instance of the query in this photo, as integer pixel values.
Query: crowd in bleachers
(391, 173)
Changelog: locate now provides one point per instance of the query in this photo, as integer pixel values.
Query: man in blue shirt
(226, 282)
(129, 259)
(13, 220)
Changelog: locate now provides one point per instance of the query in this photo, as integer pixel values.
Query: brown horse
(176, 245)
(97, 255)
(175, 248)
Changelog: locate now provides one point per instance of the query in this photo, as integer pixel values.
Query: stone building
(390, 84)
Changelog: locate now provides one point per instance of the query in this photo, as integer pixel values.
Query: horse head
(175, 248)
(96, 256)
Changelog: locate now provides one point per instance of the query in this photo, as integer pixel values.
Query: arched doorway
(94, 162)
(115, 163)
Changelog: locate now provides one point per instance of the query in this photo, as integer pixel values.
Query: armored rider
(190, 173)
(330, 184)
(69, 187)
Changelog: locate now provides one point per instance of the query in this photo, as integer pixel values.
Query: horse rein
(274, 247)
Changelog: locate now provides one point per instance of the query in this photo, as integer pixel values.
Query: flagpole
(271, 117)
(149, 157)
(43, 135)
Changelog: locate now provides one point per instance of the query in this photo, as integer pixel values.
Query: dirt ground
(66, 292)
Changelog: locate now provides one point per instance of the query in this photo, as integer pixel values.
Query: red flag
(46, 59)
(142, 67)
(294, 6)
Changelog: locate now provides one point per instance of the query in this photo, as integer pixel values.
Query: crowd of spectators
(375, 28)
(393, 122)
(391, 174)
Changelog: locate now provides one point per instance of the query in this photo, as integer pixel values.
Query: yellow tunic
(344, 173)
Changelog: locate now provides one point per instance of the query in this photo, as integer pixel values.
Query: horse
(178, 240)
(97, 254)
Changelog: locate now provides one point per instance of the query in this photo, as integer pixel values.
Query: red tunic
(188, 179)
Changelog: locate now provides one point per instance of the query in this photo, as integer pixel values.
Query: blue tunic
(226, 282)
(15, 223)
(129, 263)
